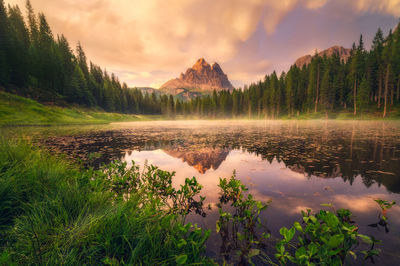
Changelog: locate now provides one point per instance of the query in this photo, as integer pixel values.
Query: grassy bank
(16, 110)
(52, 212)
(55, 212)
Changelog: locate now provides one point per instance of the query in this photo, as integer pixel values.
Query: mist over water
(296, 164)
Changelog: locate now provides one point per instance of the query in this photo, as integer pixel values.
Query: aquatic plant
(325, 238)
(239, 219)
(153, 183)
(385, 206)
(382, 216)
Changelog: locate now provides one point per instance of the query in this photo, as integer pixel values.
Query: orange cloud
(391, 7)
(145, 36)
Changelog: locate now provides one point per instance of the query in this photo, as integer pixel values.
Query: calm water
(297, 165)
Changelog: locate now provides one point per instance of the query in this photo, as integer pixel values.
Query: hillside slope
(17, 110)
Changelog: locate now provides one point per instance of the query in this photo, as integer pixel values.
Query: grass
(54, 212)
(17, 110)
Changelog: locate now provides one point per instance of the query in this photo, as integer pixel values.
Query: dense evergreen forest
(367, 82)
(36, 64)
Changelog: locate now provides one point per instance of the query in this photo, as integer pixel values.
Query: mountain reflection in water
(370, 150)
(202, 159)
(295, 164)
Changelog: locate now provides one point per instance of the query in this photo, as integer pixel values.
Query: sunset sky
(147, 42)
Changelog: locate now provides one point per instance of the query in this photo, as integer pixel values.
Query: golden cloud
(391, 7)
(144, 36)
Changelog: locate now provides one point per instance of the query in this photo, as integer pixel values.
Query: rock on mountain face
(343, 53)
(201, 77)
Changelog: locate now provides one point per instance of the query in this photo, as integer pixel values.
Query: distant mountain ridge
(149, 90)
(201, 77)
(342, 52)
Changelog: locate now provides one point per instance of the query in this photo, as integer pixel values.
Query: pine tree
(387, 58)
(5, 45)
(33, 26)
(357, 64)
(362, 95)
(272, 95)
(312, 84)
(377, 68)
(81, 58)
(19, 50)
(325, 89)
(290, 92)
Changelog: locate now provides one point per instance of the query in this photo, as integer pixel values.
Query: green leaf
(353, 254)
(289, 235)
(331, 220)
(334, 252)
(280, 248)
(365, 239)
(265, 236)
(312, 248)
(283, 231)
(298, 226)
(182, 243)
(301, 253)
(253, 252)
(335, 241)
(181, 259)
(313, 219)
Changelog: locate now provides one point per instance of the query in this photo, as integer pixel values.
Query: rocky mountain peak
(201, 77)
(342, 52)
(217, 68)
(200, 64)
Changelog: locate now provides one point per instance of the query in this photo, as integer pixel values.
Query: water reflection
(297, 165)
(202, 159)
(327, 150)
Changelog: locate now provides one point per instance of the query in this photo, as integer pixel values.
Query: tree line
(368, 81)
(36, 64)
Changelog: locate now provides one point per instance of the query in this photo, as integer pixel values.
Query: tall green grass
(54, 212)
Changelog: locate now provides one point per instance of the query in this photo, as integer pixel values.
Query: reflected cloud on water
(295, 164)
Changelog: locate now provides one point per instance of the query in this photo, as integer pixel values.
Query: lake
(296, 164)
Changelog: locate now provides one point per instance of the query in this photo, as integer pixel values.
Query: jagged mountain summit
(342, 52)
(200, 78)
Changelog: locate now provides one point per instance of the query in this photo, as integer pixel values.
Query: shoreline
(16, 111)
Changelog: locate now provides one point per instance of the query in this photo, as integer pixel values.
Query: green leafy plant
(55, 212)
(325, 238)
(154, 183)
(385, 206)
(382, 216)
(239, 218)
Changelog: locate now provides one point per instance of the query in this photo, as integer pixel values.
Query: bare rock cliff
(343, 54)
(200, 77)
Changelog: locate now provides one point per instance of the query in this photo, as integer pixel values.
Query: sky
(147, 42)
